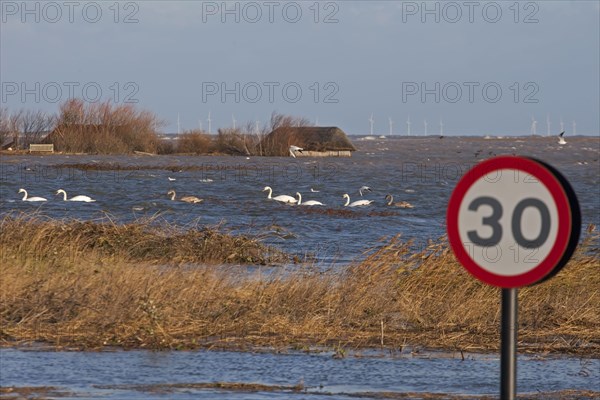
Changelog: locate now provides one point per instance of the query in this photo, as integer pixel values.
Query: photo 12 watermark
(452, 12)
(270, 92)
(57, 92)
(53, 12)
(214, 172)
(253, 12)
(470, 92)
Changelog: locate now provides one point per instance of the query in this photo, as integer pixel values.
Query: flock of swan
(282, 198)
(85, 199)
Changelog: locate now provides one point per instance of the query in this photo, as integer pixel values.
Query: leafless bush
(195, 142)
(104, 128)
(5, 128)
(233, 141)
(24, 126)
(282, 120)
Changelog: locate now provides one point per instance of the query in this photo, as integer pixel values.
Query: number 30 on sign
(513, 221)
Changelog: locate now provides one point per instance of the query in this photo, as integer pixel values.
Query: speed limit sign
(513, 221)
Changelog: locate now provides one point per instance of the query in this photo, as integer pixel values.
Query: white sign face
(508, 222)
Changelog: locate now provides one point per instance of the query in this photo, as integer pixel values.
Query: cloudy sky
(480, 67)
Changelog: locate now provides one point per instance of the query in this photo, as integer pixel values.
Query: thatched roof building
(315, 140)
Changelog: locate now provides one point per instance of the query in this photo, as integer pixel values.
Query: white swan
(294, 149)
(85, 199)
(25, 198)
(561, 139)
(401, 204)
(364, 189)
(283, 198)
(358, 203)
(187, 199)
(308, 203)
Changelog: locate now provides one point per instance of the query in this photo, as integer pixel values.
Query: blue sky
(480, 67)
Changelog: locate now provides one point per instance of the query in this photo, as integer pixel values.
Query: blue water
(124, 374)
(422, 171)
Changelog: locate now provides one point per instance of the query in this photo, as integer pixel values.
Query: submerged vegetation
(94, 284)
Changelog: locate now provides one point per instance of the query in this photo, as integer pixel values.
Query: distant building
(316, 141)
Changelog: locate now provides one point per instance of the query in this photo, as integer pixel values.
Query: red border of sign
(548, 179)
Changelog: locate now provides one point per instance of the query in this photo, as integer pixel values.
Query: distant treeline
(106, 128)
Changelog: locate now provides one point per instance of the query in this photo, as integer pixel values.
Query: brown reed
(57, 285)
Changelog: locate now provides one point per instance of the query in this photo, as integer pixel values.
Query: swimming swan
(186, 199)
(283, 198)
(357, 203)
(308, 203)
(25, 198)
(401, 204)
(85, 199)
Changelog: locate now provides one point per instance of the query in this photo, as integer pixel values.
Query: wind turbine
(200, 124)
(233, 119)
(548, 125)
(178, 125)
(574, 128)
(391, 126)
(441, 127)
(425, 127)
(408, 126)
(533, 126)
(372, 121)
(257, 127)
(209, 121)
(562, 125)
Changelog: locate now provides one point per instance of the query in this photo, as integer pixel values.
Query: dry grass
(34, 240)
(93, 297)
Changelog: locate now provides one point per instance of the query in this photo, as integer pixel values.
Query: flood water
(422, 171)
(140, 374)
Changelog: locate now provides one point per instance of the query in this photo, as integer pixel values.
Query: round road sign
(513, 221)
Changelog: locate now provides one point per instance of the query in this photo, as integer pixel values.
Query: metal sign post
(512, 222)
(508, 344)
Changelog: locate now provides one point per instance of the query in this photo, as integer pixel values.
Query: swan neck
(299, 198)
(64, 195)
(24, 194)
(391, 200)
(347, 201)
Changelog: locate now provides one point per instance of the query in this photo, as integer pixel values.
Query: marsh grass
(35, 240)
(59, 286)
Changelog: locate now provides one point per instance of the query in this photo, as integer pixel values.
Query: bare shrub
(282, 120)
(104, 128)
(195, 142)
(25, 126)
(233, 141)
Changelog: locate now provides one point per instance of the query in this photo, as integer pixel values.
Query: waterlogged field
(135, 269)
(420, 171)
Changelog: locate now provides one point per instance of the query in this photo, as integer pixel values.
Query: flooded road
(146, 374)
